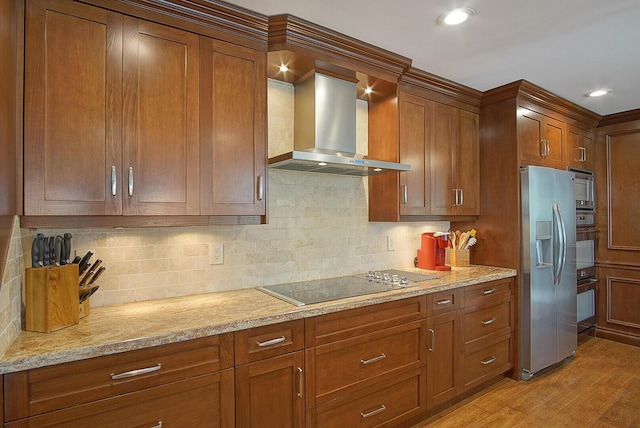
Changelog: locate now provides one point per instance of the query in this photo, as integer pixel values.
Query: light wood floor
(599, 387)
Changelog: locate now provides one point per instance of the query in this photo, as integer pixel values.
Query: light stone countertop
(119, 328)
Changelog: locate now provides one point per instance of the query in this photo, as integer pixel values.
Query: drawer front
(485, 322)
(203, 401)
(442, 302)
(486, 363)
(386, 403)
(487, 293)
(56, 387)
(258, 343)
(353, 322)
(341, 367)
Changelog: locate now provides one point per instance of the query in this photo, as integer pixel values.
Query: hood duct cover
(325, 131)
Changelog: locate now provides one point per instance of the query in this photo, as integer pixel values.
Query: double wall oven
(585, 249)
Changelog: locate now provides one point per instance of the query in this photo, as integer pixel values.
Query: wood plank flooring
(599, 387)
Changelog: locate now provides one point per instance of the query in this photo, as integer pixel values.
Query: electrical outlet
(216, 254)
(391, 244)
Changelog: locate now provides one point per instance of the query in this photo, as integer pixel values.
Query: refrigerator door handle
(561, 258)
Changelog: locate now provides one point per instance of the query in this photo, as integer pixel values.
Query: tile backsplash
(318, 228)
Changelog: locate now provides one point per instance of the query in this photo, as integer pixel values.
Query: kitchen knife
(57, 250)
(46, 259)
(37, 251)
(85, 294)
(97, 275)
(76, 260)
(90, 272)
(66, 252)
(84, 263)
(51, 242)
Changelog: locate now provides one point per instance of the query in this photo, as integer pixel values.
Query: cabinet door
(467, 165)
(443, 371)
(232, 129)
(540, 139)
(161, 168)
(444, 137)
(73, 109)
(270, 393)
(580, 148)
(415, 131)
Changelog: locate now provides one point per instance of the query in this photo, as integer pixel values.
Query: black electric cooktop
(324, 290)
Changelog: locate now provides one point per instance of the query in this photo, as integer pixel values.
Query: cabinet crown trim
(430, 82)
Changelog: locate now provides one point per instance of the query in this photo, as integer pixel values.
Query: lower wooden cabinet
(443, 358)
(270, 393)
(486, 363)
(203, 401)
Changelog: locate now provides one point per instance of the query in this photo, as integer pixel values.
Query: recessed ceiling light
(456, 16)
(599, 93)
(284, 68)
(368, 90)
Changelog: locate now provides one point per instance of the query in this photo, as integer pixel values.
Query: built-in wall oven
(587, 281)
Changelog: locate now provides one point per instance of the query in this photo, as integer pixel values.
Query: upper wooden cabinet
(540, 139)
(126, 117)
(580, 148)
(438, 135)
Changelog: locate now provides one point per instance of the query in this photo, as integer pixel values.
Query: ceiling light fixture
(368, 90)
(456, 16)
(284, 68)
(599, 93)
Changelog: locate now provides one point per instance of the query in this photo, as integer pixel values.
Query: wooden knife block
(51, 298)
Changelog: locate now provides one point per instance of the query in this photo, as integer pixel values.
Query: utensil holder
(458, 258)
(51, 298)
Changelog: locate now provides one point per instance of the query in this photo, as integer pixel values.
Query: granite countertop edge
(132, 326)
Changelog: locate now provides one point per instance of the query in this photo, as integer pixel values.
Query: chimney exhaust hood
(325, 131)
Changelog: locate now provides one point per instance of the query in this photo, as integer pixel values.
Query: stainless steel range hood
(325, 131)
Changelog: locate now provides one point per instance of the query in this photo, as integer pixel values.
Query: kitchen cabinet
(355, 357)
(270, 376)
(187, 383)
(443, 346)
(580, 148)
(122, 136)
(540, 139)
(617, 205)
(160, 122)
(441, 143)
(233, 103)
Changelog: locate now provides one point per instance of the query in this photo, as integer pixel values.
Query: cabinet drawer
(56, 387)
(203, 401)
(386, 403)
(487, 292)
(258, 343)
(486, 363)
(338, 368)
(443, 301)
(346, 324)
(480, 324)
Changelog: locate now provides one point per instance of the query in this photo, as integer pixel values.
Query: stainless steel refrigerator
(548, 324)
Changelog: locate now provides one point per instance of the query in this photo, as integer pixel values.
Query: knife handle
(66, 251)
(37, 251)
(97, 275)
(57, 250)
(46, 258)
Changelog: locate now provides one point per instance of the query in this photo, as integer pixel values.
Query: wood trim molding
(528, 92)
(290, 33)
(116, 221)
(414, 77)
(214, 18)
(610, 302)
(622, 117)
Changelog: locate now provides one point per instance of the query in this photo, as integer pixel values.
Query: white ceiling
(569, 47)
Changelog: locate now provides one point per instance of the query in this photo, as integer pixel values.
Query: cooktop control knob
(404, 280)
(394, 278)
(377, 275)
(385, 277)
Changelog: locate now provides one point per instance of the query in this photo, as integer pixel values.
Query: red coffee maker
(433, 249)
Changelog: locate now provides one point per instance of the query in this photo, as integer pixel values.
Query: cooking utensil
(470, 243)
(97, 275)
(84, 263)
(66, 249)
(37, 251)
(90, 272)
(84, 294)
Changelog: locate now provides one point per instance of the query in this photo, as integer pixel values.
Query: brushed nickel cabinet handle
(373, 360)
(543, 148)
(271, 342)
(114, 181)
(299, 382)
(158, 425)
(461, 197)
(487, 322)
(130, 181)
(260, 188)
(490, 291)
(456, 200)
(382, 408)
(405, 194)
(444, 302)
(137, 372)
(488, 361)
(433, 340)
